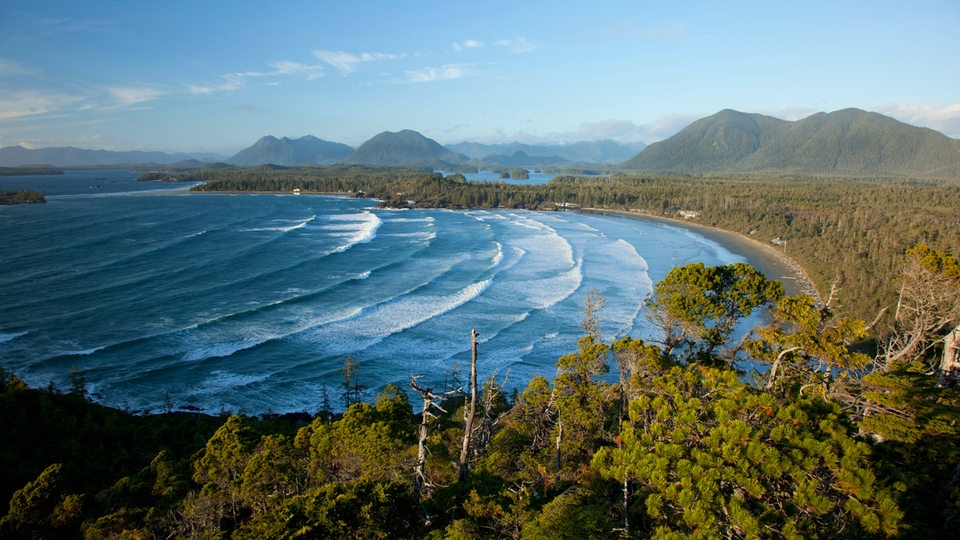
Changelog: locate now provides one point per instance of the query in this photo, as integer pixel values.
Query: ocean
(251, 303)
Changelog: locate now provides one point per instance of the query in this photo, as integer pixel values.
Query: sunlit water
(251, 302)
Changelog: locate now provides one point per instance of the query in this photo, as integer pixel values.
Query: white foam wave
(296, 224)
(85, 352)
(10, 336)
(221, 350)
(425, 219)
(372, 325)
(221, 381)
(498, 257)
(364, 231)
(542, 292)
(626, 271)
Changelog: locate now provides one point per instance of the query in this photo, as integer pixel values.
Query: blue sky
(216, 75)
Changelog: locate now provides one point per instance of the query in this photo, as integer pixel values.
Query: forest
(22, 197)
(821, 423)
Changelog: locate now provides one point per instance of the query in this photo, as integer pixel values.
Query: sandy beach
(765, 257)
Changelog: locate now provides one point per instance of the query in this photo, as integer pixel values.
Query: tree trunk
(469, 413)
(950, 364)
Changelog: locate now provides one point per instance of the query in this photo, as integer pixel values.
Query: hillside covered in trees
(849, 142)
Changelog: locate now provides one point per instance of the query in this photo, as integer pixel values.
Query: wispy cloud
(131, 95)
(21, 104)
(517, 45)
(447, 72)
(943, 119)
(287, 67)
(467, 44)
(10, 68)
(226, 83)
(349, 62)
(234, 81)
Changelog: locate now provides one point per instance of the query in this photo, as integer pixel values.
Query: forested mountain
(307, 150)
(849, 142)
(602, 151)
(69, 156)
(407, 148)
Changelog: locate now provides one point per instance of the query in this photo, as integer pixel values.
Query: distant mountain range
(69, 156)
(307, 150)
(849, 142)
(590, 152)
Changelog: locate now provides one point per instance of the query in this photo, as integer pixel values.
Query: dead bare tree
(469, 413)
(950, 362)
(928, 304)
(431, 400)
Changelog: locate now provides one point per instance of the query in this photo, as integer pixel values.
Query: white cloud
(130, 95)
(943, 119)
(348, 62)
(517, 45)
(20, 104)
(286, 67)
(443, 73)
(10, 68)
(628, 131)
(226, 84)
(467, 44)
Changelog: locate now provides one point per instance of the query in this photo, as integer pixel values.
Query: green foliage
(919, 425)
(22, 197)
(355, 509)
(571, 515)
(583, 402)
(807, 346)
(42, 506)
(698, 307)
(709, 455)
(380, 436)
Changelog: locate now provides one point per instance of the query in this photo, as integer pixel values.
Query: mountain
(69, 156)
(407, 148)
(522, 159)
(597, 152)
(846, 142)
(307, 150)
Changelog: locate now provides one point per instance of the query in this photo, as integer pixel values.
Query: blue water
(534, 177)
(251, 302)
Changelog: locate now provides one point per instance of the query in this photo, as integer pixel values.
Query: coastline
(769, 260)
(772, 262)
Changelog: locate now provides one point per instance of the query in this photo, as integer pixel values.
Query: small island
(21, 197)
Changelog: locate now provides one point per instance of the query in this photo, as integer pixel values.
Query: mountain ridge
(845, 142)
(71, 156)
(306, 150)
(405, 148)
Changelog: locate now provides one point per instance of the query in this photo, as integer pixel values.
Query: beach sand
(767, 258)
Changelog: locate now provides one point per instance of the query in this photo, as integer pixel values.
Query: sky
(215, 76)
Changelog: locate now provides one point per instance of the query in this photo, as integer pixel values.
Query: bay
(251, 303)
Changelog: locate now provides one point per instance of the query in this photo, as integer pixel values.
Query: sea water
(252, 302)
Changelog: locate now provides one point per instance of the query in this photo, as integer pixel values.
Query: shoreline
(772, 262)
